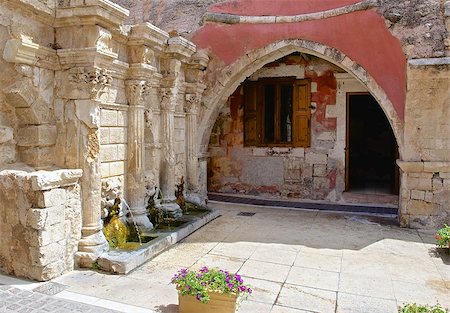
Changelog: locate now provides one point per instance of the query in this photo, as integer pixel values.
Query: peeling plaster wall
(307, 173)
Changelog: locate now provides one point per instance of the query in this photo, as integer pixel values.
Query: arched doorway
(282, 168)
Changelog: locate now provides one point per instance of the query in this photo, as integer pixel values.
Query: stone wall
(113, 142)
(26, 91)
(40, 222)
(306, 173)
(425, 191)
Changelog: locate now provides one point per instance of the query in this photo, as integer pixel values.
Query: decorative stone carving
(135, 91)
(96, 81)
(192, 103)
(167, 102)
(104, 40)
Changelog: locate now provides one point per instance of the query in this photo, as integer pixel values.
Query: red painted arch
(361, 35)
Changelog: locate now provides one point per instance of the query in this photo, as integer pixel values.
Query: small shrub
(415, 308)
(443, 237)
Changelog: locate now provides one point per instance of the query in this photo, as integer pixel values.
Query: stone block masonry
(40, 237)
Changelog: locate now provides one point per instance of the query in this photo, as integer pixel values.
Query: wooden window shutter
(252, 107)
(302, 114)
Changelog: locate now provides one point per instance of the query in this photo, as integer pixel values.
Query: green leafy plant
(415, 308)
(200, 283)
(443, 237)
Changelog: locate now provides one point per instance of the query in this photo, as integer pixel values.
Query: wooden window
(277, 112)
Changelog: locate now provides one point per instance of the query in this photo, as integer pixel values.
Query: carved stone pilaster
(168, 142)
(93, 242)
(192, 106)
(152, 135)
(136, 154)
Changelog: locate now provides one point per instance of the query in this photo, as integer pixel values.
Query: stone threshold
(382, 209)
(124, 261)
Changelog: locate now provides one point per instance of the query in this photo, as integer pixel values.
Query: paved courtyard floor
(296, 261)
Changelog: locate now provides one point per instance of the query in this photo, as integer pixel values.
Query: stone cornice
(85, 57)
(194, 88)
(149, 35)
(90, 12)
(227, 18)
(39, 11)
(181, 48)
(142, 71)
(27, 52)
(199, 60)
(423, 167)
(429, 62)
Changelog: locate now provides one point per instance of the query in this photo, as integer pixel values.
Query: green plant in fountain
(443, 237)
(415, 308)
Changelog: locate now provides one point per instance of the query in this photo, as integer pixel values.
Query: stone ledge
(423, 167)
(90, 12)
(148, 34)
(43, 13)
(25, 51)
(429, 61)
(44, 179)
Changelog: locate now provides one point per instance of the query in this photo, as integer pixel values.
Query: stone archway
(233, 75)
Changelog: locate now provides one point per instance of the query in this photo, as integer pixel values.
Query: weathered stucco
(305, 173)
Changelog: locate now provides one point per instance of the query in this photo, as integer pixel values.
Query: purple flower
(242, 288)
(198, 296)
(230, 286)
(238, 278)
(204, 269)
(249, 290)
(199, 276)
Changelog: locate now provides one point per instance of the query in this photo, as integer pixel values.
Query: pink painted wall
(362, 36)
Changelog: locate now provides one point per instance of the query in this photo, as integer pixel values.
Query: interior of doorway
(371, 149)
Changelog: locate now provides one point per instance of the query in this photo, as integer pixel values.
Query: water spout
(134, 221)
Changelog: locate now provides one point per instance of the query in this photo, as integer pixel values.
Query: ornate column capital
(167, 99)
(135, 92)
(95, 81)
(192, 103)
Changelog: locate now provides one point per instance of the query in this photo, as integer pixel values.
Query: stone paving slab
(296, 261)
(18, 300)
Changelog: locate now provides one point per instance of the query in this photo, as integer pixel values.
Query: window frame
(259, 85)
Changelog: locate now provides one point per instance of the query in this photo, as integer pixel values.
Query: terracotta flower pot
(219, 303)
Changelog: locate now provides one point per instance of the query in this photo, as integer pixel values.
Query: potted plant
(209, 290)
(443, 237)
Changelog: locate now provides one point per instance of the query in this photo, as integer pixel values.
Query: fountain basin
(122, 261)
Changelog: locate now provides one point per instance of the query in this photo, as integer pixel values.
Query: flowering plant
(200, 283)
(443, 237)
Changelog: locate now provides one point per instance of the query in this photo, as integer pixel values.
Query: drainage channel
(337, 207)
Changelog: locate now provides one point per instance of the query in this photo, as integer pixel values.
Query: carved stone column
(191, 108)
(195, 71)
(152, 135)
(136, 154)
(93, 242)
(168, 141)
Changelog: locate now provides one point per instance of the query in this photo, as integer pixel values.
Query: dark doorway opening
(371, 150)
